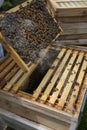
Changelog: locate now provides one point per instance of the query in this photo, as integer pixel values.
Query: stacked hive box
(72, 16)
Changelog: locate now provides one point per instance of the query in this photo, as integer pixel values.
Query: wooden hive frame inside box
(10, 49)
(67, 10)
(59, 98)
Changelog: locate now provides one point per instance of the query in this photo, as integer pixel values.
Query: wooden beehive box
(55, 98)
(68, 10)
(8, 46)
(72, 17)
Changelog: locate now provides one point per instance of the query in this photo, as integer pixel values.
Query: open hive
(54, 97)
(27, 30)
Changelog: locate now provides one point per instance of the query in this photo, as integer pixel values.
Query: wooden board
(77, 42)
(71, 19)
(73, 31)
(68, 8)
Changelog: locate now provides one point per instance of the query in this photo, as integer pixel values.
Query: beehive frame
(10, 49)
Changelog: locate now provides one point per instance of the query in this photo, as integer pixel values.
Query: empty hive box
(27, 29)
(68, 10)
(53, 94)
(72, 17)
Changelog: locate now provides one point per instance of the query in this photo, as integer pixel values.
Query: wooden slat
(70, 26)
(5, 63)
(73, 37)
(72, 42)
(70, 82)
(63, 78)
(71, 19)
(81, 3)
(7, 69)
(13, 80)
(8, 76)
(55, 77)
(77, 86)
(48, 75)
(67, 4)
(85, 2)
(74, 31)
(53, 4)
(76, 3)
(21, 82)
(13, 53)
(72, 4)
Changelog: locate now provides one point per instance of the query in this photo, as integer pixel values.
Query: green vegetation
(10, 4)
(83, 123)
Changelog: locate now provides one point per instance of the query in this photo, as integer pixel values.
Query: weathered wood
(71, 19)
(73, 37)
(3, 124)
(77, 42)
(35, 112)
(68, 8)
(19, 123)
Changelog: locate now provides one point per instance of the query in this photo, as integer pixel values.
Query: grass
(10, 4)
